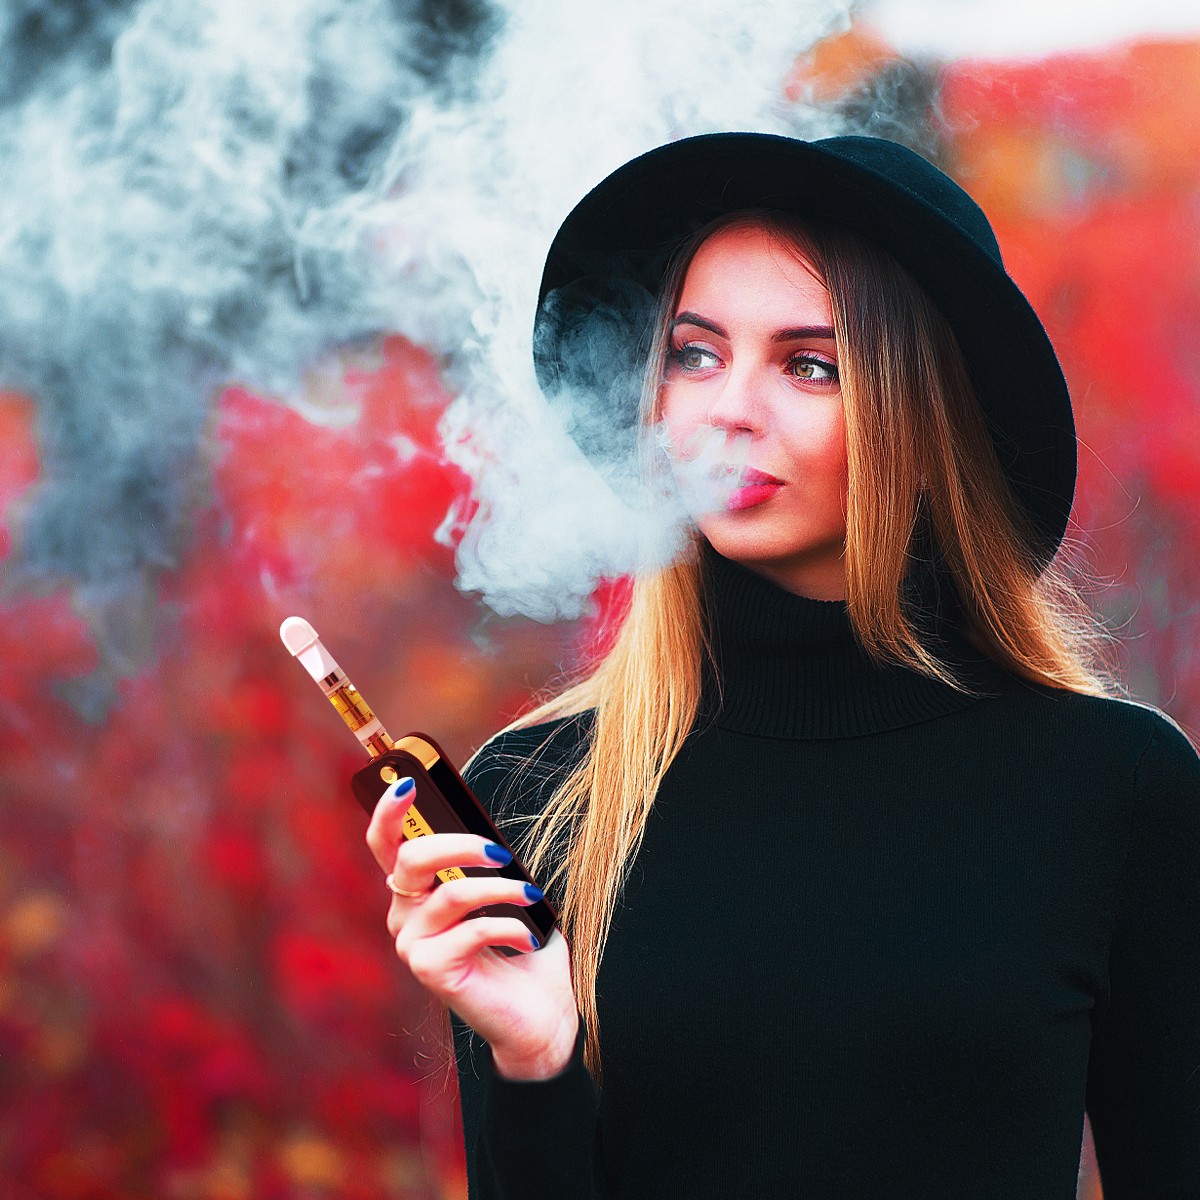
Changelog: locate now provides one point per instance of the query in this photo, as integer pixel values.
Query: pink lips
(753, 488)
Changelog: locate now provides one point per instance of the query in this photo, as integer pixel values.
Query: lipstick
(753, 488)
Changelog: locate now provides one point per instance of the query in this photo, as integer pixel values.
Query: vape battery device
(443, 803)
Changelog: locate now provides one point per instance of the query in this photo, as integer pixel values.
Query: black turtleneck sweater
(881, 939)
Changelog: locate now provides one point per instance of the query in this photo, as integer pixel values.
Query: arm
(1143, 1090)
(526, 1140)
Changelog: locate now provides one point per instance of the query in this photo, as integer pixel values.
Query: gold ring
(391, 882)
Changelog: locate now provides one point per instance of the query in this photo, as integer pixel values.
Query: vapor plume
(163, 163)
(488, 178)
(210, 193)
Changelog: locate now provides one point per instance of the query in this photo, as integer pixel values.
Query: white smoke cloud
(215, 192)
(1025, 28)
(559, 104)
(162, 164)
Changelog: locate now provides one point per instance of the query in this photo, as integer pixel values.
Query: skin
(734, 367)
(524, 1007)
(783, 396)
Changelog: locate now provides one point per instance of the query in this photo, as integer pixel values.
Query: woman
(870, 880)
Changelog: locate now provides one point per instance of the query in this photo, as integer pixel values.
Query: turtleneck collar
(791, 667)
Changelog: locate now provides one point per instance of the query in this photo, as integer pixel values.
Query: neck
(790, 666)
(825, 582)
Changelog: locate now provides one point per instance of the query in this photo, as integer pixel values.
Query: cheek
(679, 419)
(820, 445)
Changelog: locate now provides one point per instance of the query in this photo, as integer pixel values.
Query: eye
(692, 357)
(811, 369)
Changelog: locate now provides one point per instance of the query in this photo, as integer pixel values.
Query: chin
(820, 559)
(745, 545)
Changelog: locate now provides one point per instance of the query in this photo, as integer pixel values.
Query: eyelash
(816, 362)
(676, 356)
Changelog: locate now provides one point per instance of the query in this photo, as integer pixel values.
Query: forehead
(750, 263)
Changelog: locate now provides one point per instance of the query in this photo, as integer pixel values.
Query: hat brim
(640, 214)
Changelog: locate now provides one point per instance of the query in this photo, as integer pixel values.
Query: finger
(417, 861)
(400, 912)
(454, 901)
(386, 830)
(441, 963)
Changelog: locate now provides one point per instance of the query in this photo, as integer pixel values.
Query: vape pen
(301, 639)
(443, 803)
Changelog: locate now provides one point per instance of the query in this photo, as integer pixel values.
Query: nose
(740, 405)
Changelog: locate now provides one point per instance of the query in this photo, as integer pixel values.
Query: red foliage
(610, 605)
(197, 995)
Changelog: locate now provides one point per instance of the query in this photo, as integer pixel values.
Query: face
(752, 354)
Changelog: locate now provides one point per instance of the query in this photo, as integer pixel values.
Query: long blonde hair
(916, 444)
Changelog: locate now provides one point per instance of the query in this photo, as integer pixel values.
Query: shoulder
(1163, 829)
(1167, 760)
(515, 772)
(1109, 724)
(1168, 756)
(1112, 754)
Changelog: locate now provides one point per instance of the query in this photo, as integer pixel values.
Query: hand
(524, 1007)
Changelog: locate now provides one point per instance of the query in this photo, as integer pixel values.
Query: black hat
(609, 257)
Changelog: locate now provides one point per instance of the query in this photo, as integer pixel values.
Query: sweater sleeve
(1143, 1090)
(524, 1140)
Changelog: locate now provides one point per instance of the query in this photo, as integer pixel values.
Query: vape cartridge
(301, 639)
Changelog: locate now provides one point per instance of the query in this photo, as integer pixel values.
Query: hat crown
(897, 166)
(608, 261)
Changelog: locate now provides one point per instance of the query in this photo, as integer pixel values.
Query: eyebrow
(782, 335)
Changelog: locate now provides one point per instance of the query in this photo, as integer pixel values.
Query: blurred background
(266, 282)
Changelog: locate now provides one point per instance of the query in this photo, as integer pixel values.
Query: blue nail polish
(402, 787)
(532, 893)
(498, 853)
(535, 942)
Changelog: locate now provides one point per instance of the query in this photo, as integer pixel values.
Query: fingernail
(534, 941)
(497, 853)
(532, 893)
(402, 787)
